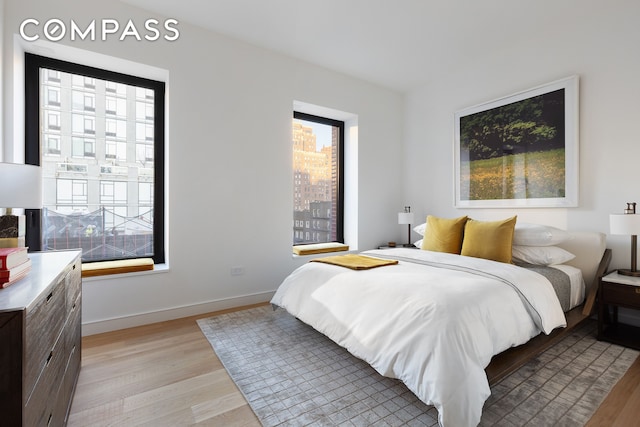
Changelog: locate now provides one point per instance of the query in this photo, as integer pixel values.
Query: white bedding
(433, 321)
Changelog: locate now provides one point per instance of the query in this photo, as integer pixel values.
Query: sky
(322, 132)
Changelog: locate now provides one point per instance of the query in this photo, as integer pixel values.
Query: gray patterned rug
(291, 375)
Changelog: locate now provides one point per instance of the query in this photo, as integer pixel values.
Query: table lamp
(20, 187)
(406, 217)
(628, 223)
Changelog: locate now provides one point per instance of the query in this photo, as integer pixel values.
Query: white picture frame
(508, 152)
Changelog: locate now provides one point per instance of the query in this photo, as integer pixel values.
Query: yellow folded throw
(355, 262)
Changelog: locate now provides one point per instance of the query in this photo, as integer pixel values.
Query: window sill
(119, 268)
(319, 248)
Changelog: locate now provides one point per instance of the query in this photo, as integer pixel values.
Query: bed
(436, 320)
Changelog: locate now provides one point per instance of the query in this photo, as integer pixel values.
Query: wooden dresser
(40, 338)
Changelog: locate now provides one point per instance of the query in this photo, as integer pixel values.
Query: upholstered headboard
(588, 247)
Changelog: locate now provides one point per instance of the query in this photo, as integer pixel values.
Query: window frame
(340, 184)
(33, 64)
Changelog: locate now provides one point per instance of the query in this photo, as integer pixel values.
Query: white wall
(598, 42)
(229, 163)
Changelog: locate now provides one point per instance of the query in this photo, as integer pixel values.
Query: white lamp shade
(20, 186)
(405, 217)
(628, 224)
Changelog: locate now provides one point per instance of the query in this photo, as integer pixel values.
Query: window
(117, 106)
(83, 147)
(116, 128)
(53, 96)
(52, 76)
(52, 145)
(116, 150)
(101, 199)
(53, 120)
(318, 179)
(145, 194)
(71, 194)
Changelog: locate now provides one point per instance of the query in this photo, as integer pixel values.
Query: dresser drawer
(44, 324)
(73, 283)
(623, 295)
(41, 403)
(73, 329)
(70, 379)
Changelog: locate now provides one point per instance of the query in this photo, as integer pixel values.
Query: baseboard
(113, 324)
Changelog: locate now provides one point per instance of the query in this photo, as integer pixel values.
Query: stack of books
(14, 265)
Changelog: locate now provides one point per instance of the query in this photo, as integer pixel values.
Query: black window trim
(340, 125)
(33, 63)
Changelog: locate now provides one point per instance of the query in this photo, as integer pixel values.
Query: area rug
(292, 375)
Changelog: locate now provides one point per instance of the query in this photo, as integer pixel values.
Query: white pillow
(420, 229)
(541, 255)
(527, 234)
(418, 243)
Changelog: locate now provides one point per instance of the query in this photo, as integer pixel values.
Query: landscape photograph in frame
(520, 150)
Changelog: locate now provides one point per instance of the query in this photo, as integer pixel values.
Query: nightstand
(396, 247)
(616, 291)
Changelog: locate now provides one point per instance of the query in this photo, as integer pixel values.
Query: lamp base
(634, 273)
(12, 242)
(12, 226)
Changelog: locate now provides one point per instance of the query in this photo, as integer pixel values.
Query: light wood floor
(166, 374)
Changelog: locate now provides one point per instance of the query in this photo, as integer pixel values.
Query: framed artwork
(520, 150)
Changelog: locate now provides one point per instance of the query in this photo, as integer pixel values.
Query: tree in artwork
(515, 151)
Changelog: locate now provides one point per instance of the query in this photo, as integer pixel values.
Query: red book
(15, 273)
(15, 278)
(10, 257)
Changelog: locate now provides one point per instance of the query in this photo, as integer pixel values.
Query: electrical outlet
(237, 270)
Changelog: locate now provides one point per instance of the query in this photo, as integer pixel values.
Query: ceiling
(400, 44)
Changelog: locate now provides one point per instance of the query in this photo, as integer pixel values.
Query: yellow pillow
(489, 239)
(444, 235)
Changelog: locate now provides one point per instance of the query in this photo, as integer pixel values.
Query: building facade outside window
(318, 190)
(101, 191)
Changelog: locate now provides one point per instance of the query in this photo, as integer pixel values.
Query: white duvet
(433, 321)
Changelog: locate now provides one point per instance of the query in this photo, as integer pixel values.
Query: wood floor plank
(166, 374)
(175, 401)
(240, 417)
(215, 407)
(621, 407)
(99, 415)
(161, 374)
(630, 414)
(188, 355)
(213, 385)
(123, 380)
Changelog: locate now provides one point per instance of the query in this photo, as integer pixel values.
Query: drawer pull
(49, 420)
(637, 290)
(49, 297)
(49, 358)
